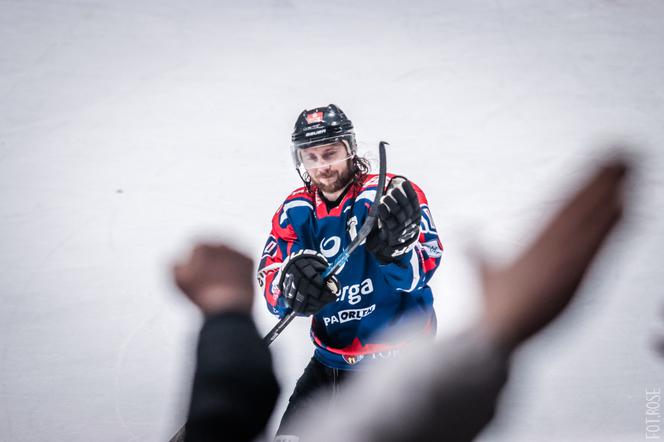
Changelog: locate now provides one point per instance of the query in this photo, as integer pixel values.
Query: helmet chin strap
(307, 183)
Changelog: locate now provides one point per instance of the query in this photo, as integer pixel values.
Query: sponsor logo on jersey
(352, 227)
(314, 117)
(385, 354)
(432, 248)
(353, 292)
(330, 247)
(349, 315)
(354, 359)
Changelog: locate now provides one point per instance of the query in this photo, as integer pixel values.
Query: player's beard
(342, 179)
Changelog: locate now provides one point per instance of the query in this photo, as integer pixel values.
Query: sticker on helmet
(314, 117)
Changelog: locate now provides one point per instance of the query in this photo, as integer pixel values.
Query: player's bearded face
(332, 178)
(328, 165)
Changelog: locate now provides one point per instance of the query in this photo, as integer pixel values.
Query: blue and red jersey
(372, 295)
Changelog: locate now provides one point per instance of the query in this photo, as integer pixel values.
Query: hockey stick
(340, 260)
(345, 254)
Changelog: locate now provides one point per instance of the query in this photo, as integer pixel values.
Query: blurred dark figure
(234, 389)
(450, 394)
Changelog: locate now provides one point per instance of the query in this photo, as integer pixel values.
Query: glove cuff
(300, 254)
(388, 254)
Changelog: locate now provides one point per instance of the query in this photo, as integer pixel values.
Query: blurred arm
(234, 390)
(451, 392)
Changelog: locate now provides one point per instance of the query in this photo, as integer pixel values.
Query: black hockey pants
(316, 378)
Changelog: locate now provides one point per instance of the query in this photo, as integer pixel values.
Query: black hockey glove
(398, 226)
(301, 282)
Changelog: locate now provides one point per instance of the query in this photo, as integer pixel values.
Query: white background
(129, 129)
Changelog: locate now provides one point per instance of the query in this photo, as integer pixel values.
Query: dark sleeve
(234, 389)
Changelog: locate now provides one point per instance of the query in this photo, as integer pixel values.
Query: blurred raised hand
(526, 295)
(216, 278)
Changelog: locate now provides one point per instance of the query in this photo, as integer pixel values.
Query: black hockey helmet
(322, 125)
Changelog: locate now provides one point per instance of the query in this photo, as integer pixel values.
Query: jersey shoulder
(370, 183)
(301, 193)
(298, 204)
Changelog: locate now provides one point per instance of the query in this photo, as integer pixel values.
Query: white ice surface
(129, 129)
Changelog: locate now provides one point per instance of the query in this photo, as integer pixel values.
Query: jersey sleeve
(414, 270)
(282, 241)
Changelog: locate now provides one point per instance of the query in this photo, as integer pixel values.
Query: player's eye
(333, 153)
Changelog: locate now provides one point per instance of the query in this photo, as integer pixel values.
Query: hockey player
(384, 281)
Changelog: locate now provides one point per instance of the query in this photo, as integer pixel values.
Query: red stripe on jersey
(285, 233)
(300, 193)
(429, 264)
(357, 348)
(321, 208)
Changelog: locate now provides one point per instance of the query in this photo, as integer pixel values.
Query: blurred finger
(576, 222)
(567, 246)
(605, 193)
(182, 277)
(198, 254)
(597, 227)
(589, 199)
(602, 208)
